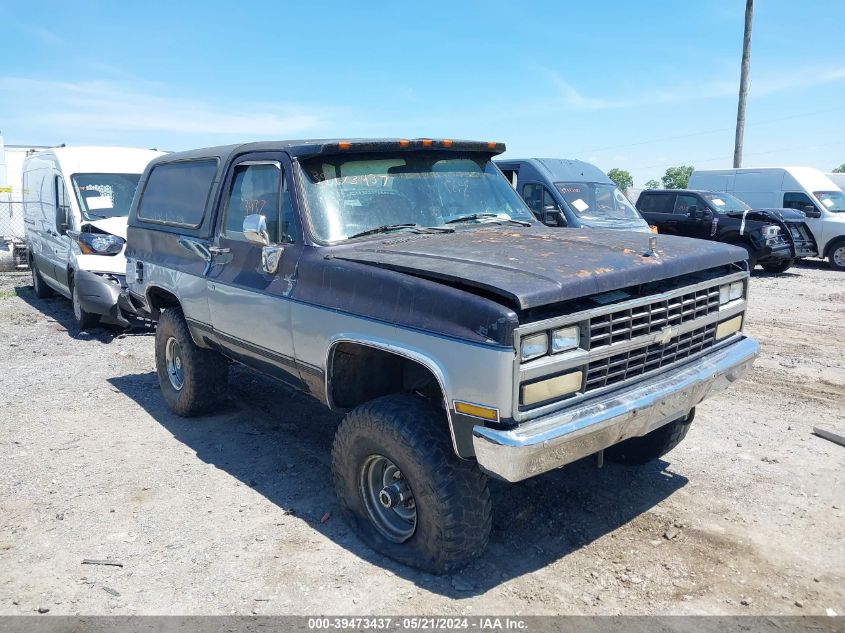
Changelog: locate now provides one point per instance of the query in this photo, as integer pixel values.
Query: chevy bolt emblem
(667, 334)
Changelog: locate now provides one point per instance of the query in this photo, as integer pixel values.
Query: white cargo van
(838, 179)
(76, 200)
(802, 188)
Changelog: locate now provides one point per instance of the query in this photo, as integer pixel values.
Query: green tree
(840, 169)
(677, 177)
(652, 184)
(621, 177)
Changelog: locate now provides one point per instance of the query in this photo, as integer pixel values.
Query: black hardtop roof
(315, 147)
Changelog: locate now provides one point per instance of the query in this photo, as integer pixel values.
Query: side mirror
(811, 212)
(62, 220)
(255, 230)
(551, 215)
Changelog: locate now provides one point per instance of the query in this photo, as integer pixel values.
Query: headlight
(565, 338)
(730, 292)
(770, 231)
(534, 346)
(99, 243)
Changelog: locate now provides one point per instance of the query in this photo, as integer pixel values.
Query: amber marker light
(446, 143)
(404, 142)
(344, 145)
(477, 411)
(491, 144)
(426, 142)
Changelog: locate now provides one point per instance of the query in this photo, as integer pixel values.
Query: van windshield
(104, 195)
(832, 200)
(725, 202)
(351, 194)
(597, 201)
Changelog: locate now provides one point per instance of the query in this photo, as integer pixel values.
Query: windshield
(725, 202)
(832, 200)
(597, 201)
(351, 194)
(104, 195)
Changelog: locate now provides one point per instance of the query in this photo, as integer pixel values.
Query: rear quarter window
(656, 203)
(177, 193)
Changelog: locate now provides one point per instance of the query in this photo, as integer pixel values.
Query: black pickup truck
(774, 238)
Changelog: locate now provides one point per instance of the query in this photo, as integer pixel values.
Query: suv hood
(115, 226)
(776, 215)
(534, 266)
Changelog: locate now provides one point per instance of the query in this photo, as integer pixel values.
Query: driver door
(250, 308)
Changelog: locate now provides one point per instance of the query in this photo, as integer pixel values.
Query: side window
(61, 195)
(656, 203)
(684, 202)
(62, 204)
(796, 200)
(177, 193)
(537, 197)
(260, 188)
(548, 200)
(533, 195)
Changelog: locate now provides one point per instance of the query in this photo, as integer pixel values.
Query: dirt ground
(226, 514)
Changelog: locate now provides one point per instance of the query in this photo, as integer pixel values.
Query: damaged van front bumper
(562, 437)
(99, 294)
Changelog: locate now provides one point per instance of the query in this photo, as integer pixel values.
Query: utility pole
(743, 84)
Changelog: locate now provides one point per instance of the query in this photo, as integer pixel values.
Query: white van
(76, 200)
(802, 188)
(838, 180)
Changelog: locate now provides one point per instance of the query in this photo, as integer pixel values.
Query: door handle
(218, 250)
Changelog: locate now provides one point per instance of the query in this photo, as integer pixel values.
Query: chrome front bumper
(565, 436)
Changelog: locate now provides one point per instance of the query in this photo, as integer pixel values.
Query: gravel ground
(234, 513)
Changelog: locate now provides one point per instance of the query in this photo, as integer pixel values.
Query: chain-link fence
(12, 247)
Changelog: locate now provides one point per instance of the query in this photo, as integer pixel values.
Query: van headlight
(730, 292)
(770, 231)
(534, 346)
(99, 243)
(566, 338)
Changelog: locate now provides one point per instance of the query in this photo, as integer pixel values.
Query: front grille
(618, 368)
(624, 325)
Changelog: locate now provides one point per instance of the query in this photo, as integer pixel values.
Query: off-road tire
(452, 500)
(39, 286)
(641, 450)
(831, 260)
(205, 371)
(84, 320)
(779, 267)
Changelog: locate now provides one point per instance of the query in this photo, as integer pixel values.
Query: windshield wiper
(384, 229)
(481, 216)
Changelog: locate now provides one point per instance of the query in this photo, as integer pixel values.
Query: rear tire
(192, 379)
(84, 320)
(836, 256)
(779, 267)
(39, 287)
(444, 515)
(641, 450)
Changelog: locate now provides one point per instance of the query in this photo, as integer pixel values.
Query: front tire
(192, 379)
(403, 490)
(39, 286)
(637, 451)
(836, 256)
(779, 267)
(84, 320)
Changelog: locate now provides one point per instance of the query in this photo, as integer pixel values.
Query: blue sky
(636, 85)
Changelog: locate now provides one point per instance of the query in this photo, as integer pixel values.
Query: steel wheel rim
(173, 363)
(839, 256)
(396, 523)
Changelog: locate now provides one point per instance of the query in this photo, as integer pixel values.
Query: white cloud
(103, 107)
